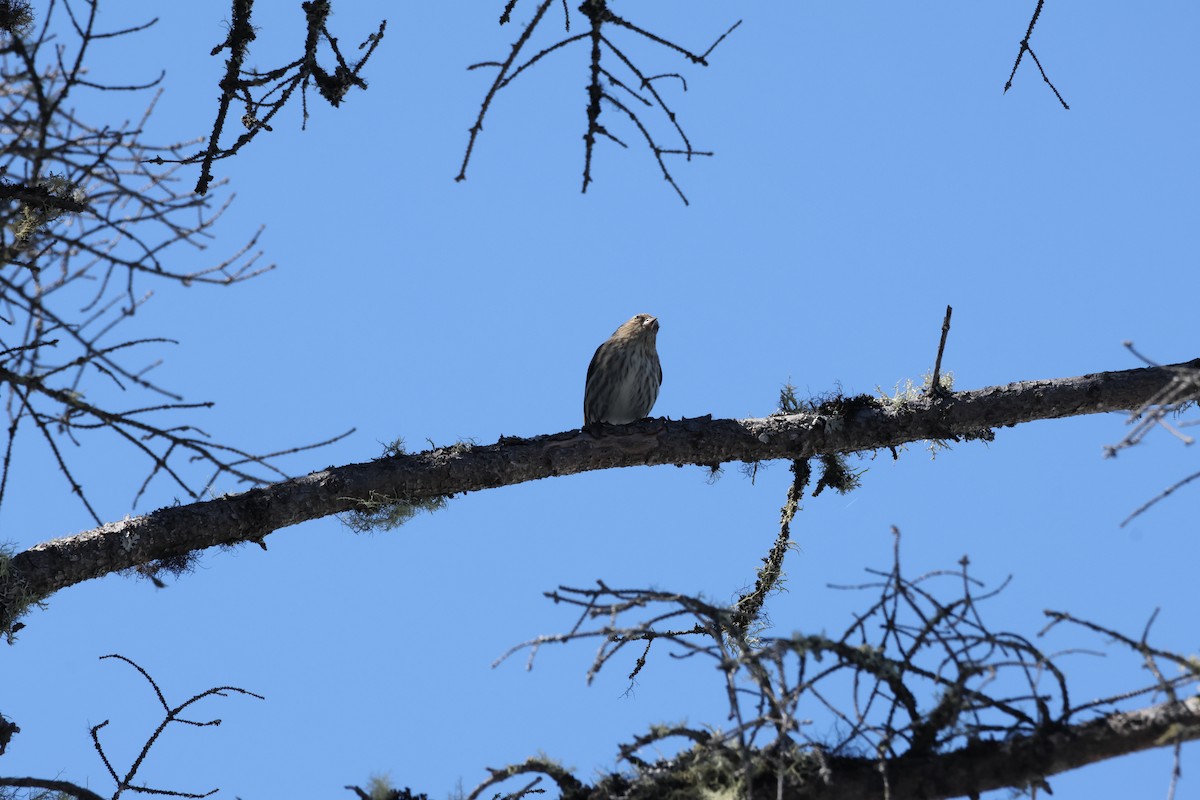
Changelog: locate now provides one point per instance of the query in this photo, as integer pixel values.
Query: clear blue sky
(868, 171)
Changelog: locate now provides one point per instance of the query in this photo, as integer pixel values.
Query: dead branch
(600, 18)
(84, 227)
(275, 87)
(841, 425)
(929, 701)
(171, 714)
(935, 383)
(1025, 48)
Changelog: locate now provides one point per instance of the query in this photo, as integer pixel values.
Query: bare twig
(125, 782)
(935, 385)
(171, 714)
(275, 87)
(1176, 396)
(1037, 12)
(1160, 497)
(599, 17)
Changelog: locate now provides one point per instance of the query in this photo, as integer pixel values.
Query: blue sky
(868, 172)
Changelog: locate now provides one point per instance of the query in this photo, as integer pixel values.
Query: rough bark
(982, 766)
(837, 426)
(63, 787)
(1023, 760)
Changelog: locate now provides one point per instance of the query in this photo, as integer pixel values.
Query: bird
(624, 376)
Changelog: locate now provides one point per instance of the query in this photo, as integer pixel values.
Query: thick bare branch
(986, 765)
(64, 788)
(930, 701)
(843, 425)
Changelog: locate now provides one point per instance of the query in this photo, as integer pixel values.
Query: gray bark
(1024, 760)
(839, 426)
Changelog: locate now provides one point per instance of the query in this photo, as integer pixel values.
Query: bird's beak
(652, 324)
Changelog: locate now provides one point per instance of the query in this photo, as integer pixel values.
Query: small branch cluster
(1160, 411)
(638, 92)
(263, 94)
(921, 692)
(380, 789)
(125, 782)
(83, 222)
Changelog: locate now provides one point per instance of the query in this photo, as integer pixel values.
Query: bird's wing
(595, 360)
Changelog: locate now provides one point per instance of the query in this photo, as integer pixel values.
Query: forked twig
(1037, 12)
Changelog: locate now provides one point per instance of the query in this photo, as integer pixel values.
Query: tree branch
(63, 787)
(842, 425)
(986, 765)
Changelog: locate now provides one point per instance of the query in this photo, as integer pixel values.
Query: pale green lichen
(15, 599)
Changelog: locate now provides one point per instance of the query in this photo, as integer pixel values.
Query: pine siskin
(624, 376)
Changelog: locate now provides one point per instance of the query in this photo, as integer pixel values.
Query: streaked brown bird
(624, 376)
